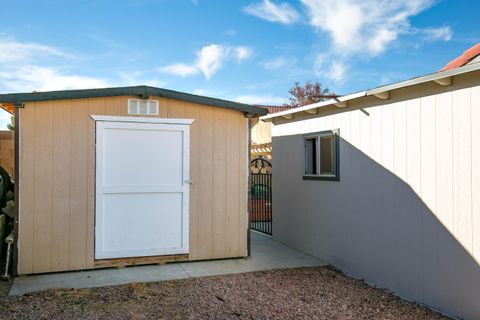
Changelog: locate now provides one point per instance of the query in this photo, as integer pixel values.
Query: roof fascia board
(436, 77)
(140, 91)
(316, 105)
(426, 78)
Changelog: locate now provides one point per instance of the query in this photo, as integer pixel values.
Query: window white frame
(335, 156)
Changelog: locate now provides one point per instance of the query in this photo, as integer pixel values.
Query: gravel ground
(303, 293)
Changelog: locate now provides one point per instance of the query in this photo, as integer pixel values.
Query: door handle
(189, 181)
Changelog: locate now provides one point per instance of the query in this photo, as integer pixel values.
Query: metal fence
(260, 203)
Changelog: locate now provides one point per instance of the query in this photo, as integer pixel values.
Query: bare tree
(307, 94)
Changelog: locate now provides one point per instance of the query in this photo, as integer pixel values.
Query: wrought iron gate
(260, 202)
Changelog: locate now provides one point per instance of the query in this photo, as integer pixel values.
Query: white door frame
(102, 122)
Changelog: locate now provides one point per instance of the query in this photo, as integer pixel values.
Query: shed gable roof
(141, 91)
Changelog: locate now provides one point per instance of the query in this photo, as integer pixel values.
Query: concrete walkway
(265, 254)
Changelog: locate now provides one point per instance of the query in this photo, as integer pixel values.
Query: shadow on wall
(374, 226)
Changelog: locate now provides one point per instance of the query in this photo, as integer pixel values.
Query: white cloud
(334, 70)
(137, 77)
(337, 72)
(23, 67)
(278, 63)
(13, 51)
(180, 69)
(282, 12)
(261, 99)
(31, 77)
(209, 61)
(242, 53)
(380, 41)
(367, 26)
(231, 32)
(205, 92)
(38, 78)
(443, 33)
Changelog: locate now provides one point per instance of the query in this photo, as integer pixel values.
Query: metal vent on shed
(132, 106)
(143, 107)
(153, 107)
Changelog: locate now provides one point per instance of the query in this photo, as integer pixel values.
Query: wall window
(321, 156)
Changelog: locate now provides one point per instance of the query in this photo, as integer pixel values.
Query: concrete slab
(96, 278)
(266, 254)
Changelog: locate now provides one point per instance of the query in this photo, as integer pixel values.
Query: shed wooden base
(124, 262)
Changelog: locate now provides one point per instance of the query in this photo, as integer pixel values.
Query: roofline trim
(142, 91)
(142, 119)
(343, 100)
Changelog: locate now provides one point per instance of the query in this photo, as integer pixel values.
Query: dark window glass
(326, 155)
(311, 156)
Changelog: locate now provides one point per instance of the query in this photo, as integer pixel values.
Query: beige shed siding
(57, 179)
(406, 212)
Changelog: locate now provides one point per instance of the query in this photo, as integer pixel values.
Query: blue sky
(246, 50)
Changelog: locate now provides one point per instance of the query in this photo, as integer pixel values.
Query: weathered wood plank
(78, 184)
(220, 173)
(42, 254)
(27, 189)
(61, 186)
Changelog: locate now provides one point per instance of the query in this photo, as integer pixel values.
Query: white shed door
(142, 184)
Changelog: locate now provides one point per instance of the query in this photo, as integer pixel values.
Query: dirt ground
(303, 293)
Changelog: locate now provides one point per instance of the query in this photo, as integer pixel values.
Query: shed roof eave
(438, 76)
(320, 104)
(141, 91)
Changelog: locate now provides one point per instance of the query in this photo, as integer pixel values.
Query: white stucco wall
(405, 214)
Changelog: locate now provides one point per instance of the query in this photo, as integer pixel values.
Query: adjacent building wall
(7, 148)
(57, 179)
(405, 214)
(261, 138)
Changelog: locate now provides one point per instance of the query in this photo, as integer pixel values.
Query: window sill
(324, 178)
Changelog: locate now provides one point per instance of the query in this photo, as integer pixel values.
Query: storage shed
(131, 175)
(385, 185)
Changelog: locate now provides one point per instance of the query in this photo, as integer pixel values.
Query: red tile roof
(273, 109)
(462, 60)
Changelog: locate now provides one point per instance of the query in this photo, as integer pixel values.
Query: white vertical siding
(462, 167)
(406, 212)
(475, 120)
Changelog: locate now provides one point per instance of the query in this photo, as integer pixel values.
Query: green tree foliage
(11, 125)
